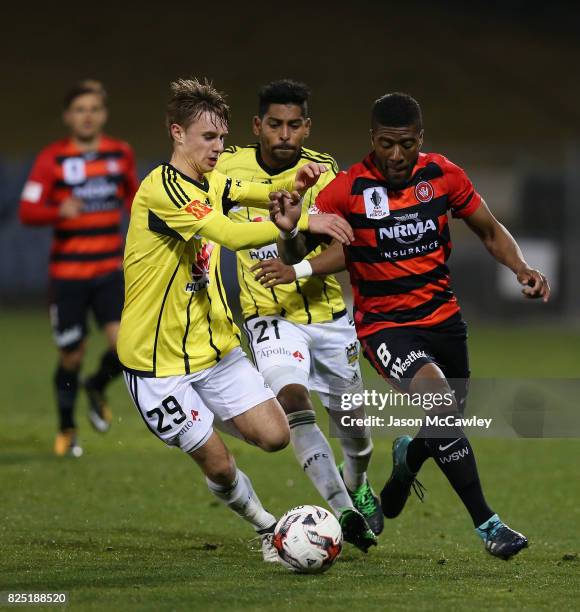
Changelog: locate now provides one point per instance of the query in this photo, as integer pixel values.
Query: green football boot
(367, 503)
(356, 530)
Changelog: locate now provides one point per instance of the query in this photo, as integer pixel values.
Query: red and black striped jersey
(105, 180)
(397, 262)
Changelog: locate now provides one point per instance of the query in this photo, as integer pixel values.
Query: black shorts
(71, 300)
(397, 353)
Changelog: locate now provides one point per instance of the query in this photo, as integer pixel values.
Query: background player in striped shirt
(180, 348)
(300, 335)
(80, 185)
(406, 314)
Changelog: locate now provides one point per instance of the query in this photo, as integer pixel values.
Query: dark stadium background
(496, 80)
(131, 526)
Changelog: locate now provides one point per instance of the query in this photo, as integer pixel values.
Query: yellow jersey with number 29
(176, 319)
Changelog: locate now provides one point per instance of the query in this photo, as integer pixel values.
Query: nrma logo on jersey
(200, 270)
(408, 229)
(269, 251)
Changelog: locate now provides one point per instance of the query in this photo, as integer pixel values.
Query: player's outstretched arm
(272, 272)
(502, 245)
(238, 236)
(256, 195)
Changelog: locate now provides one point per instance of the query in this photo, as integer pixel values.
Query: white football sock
(242, 499)
(315, 455)
(357, 454)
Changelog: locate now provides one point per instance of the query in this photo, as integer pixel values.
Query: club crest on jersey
(352, 353)
(424, 191)
(113, 166)
(376, 202)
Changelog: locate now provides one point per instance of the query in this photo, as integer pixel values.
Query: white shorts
(322, 357)
(180, 410)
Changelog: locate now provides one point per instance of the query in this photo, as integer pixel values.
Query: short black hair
(88, 86)
(284, 91)
(396, 110)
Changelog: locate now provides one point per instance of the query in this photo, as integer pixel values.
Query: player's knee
(275, 439)
(294, 398)
(72, 359)
(111, 331)
(221, 470)
(437, 395)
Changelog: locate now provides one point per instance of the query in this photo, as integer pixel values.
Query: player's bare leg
(233, 487)
(454, 456)
(66, 381)
(264, 425)
(100, 414)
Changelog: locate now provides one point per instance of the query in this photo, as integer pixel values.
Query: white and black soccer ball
(308, 539)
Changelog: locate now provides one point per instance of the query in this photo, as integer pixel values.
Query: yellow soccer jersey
(308, 300)
(176, 319)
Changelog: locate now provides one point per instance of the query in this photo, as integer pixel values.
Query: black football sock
(454, 456)
(417, 453)
(109, 368)
(66, 383)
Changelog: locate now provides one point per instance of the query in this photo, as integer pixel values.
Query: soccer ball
(308, 539)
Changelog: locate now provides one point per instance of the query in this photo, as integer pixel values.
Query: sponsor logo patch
(314, 458)
(409, 232)
(400, 366)
(455, 456)
(376, 202)
(74, 170)
(32, 192)
(269, 251)
(198, 209)
(279, 350)
(97, 193)
(200, 270)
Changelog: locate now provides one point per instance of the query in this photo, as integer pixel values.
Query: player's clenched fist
(535, 284)
(285, 209)
(70, 208)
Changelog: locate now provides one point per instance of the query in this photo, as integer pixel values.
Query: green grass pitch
(131, 526)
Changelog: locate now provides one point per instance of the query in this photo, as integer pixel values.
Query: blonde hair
(190, 98)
